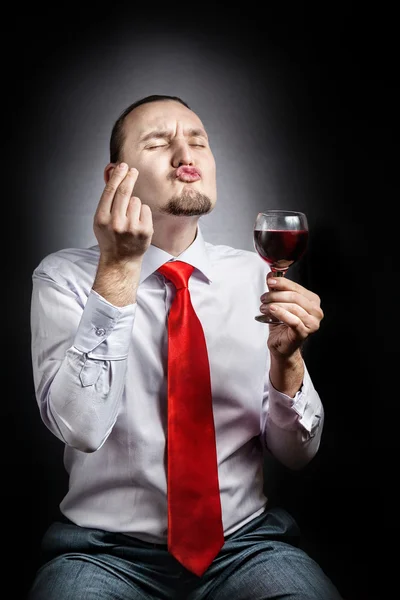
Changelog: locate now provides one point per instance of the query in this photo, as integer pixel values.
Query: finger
(107, 197)
(291, 321)
(290, 297)
(283, 283)
(296, 317)
(123, 195)
(139, 216)
(133, 211)
(146, 217)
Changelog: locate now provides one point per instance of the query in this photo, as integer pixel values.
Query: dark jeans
(260, 561)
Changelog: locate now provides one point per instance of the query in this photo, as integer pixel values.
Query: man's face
(168, 145)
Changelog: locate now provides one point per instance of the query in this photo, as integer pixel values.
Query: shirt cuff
(99, 320)
(304, 409)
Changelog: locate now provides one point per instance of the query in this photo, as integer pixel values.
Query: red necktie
(195, 532)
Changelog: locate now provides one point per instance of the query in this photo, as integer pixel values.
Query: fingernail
(272, 281)
(123, 166)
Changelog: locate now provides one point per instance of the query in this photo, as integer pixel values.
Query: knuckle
(101, 220)
(124, 190)
(148, 231)
(316, 299)
(117, 226)
(110, 187)
(141, 233)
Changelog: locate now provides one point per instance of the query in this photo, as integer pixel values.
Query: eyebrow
(163, 134)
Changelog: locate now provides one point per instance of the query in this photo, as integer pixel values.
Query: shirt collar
(196, 255)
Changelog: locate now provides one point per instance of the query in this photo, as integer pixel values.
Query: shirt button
(100, 331)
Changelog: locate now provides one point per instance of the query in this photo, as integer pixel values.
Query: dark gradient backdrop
(300, 109)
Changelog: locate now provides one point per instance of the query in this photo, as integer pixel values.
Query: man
(112, 359)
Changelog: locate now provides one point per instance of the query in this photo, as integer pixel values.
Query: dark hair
(117, 134)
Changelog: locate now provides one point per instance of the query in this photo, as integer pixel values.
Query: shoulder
(237, 268)
(228, 256)
(68, 263)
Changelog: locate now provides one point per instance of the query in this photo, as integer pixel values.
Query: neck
(175, 234)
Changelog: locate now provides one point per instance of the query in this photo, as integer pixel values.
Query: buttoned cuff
(105, 330)
(304, 409)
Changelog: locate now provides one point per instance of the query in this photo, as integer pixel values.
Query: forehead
(161, 115)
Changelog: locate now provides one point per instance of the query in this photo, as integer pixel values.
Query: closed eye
(157, 146)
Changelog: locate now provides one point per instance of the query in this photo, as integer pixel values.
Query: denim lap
(81, 577)
(261, 561)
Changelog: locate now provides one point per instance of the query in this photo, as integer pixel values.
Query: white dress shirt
(100, 376)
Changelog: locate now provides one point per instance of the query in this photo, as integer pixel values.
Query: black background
(345, 500)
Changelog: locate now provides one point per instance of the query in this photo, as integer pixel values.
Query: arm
(293, 421)
(79, 357)
(79, 349)
(292, 407)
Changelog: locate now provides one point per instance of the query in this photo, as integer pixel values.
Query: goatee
(188, 204)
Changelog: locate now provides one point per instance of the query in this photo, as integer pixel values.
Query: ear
(108, 171)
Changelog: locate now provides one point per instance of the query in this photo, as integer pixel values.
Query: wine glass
(280, 238)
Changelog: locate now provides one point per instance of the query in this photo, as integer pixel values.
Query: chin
(189, 203)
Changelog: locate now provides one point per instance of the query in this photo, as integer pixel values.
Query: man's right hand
(124, 229)
(122, 225)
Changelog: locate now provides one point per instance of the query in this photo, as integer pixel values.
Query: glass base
(268, 319)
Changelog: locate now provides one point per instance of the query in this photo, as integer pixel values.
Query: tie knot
(178, 272)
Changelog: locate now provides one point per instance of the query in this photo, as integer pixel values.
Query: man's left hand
(298, 308)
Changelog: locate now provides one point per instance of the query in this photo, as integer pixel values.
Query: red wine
(280, 248)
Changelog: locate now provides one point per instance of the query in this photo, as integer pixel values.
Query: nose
(182, 154)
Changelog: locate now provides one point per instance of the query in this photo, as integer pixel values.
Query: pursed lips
(187, 174)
